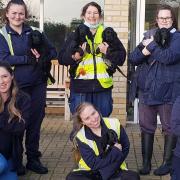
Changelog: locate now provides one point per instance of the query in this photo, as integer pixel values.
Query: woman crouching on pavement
(103, 145)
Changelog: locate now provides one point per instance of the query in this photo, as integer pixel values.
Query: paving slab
(57, 150)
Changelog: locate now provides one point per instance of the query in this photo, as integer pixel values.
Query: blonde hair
(77, 121)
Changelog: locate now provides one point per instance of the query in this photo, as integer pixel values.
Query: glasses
(164, 19)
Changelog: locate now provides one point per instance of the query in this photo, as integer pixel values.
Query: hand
(83, 46)
(103, 47)
(146, 42)
(35, 53)
(76, 56)
(146, 52)
(118, 146)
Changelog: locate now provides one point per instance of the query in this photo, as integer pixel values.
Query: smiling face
(16, 15)
(90, 117)
(164, 19)
(92, 15)
(5, 81)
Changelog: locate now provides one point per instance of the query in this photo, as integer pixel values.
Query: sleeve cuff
(151, 47)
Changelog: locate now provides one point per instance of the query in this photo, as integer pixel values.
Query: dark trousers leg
(165, 111)
(102, 101)
(148, 118)
(126, 175)
(38, 99)
(84, 175)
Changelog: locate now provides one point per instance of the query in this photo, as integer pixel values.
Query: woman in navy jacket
(14, 112)
(175, 120)
(14, 48)
(161, 56)
(102, 150)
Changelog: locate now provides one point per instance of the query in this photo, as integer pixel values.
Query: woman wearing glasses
(86, 52)
(161, 54)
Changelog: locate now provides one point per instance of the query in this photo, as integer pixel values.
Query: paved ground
(56, 150)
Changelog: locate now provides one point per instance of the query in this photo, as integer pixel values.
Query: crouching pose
(103, 145)
(14, 111)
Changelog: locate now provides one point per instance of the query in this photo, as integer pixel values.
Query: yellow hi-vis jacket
(93, 65)
(111, 123)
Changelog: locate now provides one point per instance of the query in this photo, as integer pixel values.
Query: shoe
(36, 166)
(21, 171)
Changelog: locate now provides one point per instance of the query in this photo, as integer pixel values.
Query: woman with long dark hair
(14, 112)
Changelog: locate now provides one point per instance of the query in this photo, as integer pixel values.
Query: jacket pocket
(163, 91)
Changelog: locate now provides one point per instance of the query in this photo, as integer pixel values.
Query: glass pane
(150, 10)
(61, 17)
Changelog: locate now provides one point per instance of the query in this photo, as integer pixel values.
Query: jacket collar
(90, 135)
(25, 28)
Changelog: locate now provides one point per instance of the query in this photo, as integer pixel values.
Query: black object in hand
(31, 59)
(80, 37)
(109, 138)
(37, 41)
(162, 37)
(110, 37)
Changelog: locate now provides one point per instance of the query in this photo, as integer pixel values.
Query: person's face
(164, 19)
(92, 15)
(90, 117)
(5, 81)
(16, 15)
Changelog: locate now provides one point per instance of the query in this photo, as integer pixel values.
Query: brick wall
(116, 16)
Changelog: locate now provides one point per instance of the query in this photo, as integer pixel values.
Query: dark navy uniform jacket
(107, 165)
(25, 74)
(10, 133)
(162, 79)
(175, 124)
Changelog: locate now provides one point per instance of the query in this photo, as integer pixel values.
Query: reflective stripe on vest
(7, 36)
(111, 123)
(85, 68)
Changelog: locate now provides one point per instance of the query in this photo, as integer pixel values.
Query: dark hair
(167, 7)
(91, 4)
(13, 111)
(19, 2)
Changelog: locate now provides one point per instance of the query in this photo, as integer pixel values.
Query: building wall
(116, 16)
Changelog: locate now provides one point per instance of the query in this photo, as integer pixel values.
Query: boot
(169, 145)
(147, 141)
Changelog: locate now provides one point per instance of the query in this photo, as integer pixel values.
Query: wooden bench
(58, 93)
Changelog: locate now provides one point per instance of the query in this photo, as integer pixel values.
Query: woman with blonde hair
(14, 111)
(103, 145)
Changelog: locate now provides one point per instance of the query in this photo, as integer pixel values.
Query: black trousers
(90, 175)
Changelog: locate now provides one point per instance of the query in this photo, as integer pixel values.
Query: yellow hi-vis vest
(90, 62)
(111, 123)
